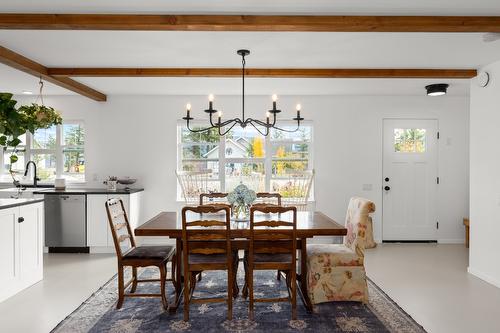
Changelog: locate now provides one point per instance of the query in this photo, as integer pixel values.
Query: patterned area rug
(98, 313)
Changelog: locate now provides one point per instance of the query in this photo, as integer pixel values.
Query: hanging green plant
(16, 122)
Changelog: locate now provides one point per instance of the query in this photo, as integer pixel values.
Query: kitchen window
(243, 155)
(58, 151)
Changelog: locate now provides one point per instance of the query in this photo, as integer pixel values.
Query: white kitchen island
(21, 244)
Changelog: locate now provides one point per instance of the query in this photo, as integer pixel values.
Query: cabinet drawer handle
(20, 219)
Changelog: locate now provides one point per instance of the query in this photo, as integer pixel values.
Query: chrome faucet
(35, 178)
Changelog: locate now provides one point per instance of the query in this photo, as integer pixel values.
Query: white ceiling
(269, 49)
(333, 7)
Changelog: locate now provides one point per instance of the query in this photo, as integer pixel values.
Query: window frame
(267, 160)
(57, 152)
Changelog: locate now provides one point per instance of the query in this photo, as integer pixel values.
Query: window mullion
(222, 163)
(59, 152)
(268, 163)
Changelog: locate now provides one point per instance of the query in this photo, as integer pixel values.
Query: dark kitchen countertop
(88, 191)
(9, 203)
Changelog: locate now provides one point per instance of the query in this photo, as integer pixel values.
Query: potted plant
(16, 122)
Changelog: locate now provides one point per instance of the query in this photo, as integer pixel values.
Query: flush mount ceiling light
(225, 126)
(27, 92)
(438, 89)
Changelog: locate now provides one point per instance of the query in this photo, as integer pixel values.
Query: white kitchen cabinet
(21, 248)
(99, 236)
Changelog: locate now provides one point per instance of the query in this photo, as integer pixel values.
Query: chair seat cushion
(207, 259)
(332, 255)
(160, 253)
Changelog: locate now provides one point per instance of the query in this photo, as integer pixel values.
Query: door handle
(20, 219)
(387, 188)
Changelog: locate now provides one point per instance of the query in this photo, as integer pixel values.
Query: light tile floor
(429, 281)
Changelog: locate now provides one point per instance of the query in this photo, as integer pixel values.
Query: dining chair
(272, 246)
(131, 255)
(336, 272)
(297, 189)
(193, 183)
(206, 245)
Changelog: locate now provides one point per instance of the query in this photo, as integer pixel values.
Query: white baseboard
(484, 277)
(451, 241)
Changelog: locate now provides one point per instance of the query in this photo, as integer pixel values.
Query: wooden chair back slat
(211, 196)
(266, 195)
(205, 223)
(273, 224)
(123, 238)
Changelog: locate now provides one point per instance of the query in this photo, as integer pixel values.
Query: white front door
(410, 180)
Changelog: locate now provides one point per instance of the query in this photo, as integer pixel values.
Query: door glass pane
(244, 143)
(45, 138)
(45, 166)
(250, 174)
(73, 135)
(409, 140)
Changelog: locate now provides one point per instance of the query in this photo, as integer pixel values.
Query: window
(409, 140)
(58, 151)
(245, 156)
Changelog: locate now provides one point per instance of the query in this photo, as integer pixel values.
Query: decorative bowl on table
(126, 181)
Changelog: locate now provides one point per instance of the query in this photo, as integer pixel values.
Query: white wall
(136, 136)
(484, 183)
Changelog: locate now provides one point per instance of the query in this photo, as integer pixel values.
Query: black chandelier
(225, 126)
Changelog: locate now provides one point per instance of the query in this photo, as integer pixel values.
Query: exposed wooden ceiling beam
(20, 62)
(250, 23)
(265, 72)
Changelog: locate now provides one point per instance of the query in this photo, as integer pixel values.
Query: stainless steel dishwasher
(66, 223)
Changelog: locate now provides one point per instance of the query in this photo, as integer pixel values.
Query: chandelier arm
(260, 122)
(258, 130)
(205, 129)
(289, 131)
(227, 122)
(226, 131)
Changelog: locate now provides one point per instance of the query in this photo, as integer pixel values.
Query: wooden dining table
(309, 225)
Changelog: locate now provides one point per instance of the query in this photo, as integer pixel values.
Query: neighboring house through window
(245, 156)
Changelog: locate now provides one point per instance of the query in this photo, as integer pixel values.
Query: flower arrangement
(241, 195)
(241, 198)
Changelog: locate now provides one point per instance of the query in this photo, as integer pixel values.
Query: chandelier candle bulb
(267, 116)
(275, 98)
(220, 116)
(210, 101)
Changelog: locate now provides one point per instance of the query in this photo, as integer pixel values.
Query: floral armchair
(335, 272)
